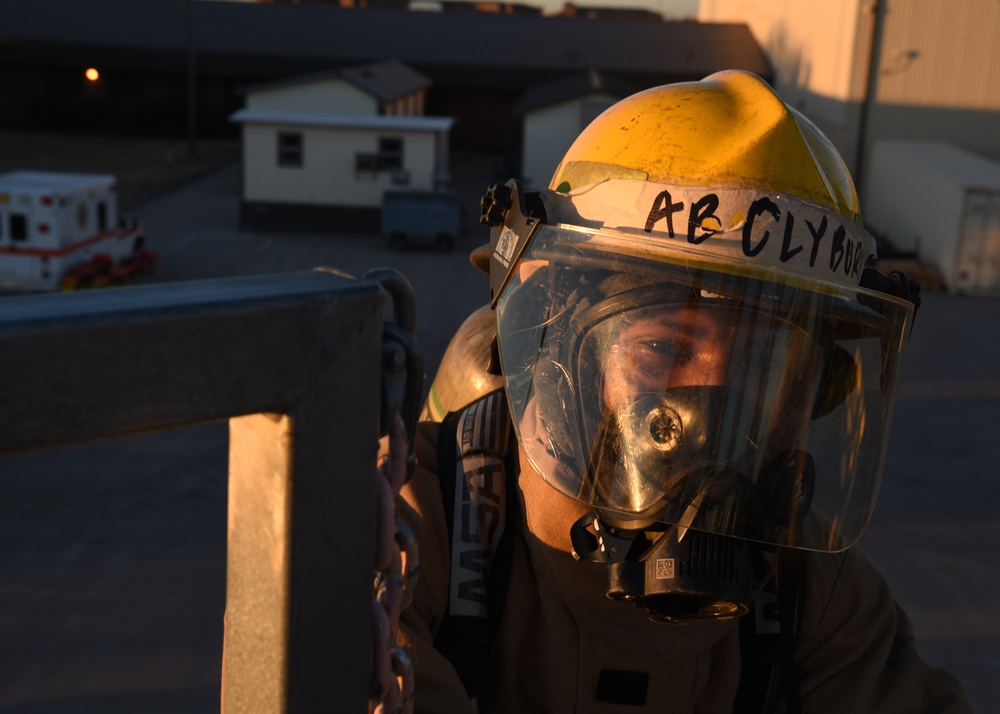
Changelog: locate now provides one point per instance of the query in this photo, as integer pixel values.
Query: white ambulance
(61, 230)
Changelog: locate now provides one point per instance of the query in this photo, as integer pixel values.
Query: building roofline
(385, 81)
(565, 89)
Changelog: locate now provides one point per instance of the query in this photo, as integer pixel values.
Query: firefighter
(657, 510)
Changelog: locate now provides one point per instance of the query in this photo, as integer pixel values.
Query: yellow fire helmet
(689, 329)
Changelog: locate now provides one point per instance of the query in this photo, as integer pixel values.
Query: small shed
(554, 113)
(320, 150)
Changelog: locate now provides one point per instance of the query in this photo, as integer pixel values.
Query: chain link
(396, 562)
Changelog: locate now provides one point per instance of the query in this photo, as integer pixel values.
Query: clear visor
(656, 388)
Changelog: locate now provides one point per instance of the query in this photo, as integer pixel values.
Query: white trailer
(52, 224)
(942, 203)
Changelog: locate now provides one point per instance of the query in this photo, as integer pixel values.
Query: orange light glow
(92, 74)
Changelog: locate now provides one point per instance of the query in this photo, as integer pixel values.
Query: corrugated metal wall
(937, 76)
(941, 54)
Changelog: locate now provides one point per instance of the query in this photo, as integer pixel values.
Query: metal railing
(293, 362)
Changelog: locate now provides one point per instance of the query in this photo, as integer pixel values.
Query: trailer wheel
(397, 242)
(444, 243)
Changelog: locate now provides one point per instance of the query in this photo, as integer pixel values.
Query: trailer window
(390, 153)
(102, 216)
(289, 148)
(18, 226)
(365, 166)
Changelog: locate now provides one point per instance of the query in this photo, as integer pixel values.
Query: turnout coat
(562, 646)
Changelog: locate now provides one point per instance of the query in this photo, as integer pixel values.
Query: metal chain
(396, 557)
(396, 563)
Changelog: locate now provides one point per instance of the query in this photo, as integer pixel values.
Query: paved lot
(112, 554)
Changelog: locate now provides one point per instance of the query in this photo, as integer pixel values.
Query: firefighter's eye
(657, 355)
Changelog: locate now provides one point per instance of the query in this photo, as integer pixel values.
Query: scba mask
(709, 404)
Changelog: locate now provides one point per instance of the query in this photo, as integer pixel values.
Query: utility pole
(191, 86)
(871, 87)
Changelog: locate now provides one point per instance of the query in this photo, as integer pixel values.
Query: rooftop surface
(112, 554)
(252, 34)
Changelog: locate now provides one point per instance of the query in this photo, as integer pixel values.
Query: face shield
(660, 385)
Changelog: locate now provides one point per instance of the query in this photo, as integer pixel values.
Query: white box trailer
(942, 203)
(52, 223)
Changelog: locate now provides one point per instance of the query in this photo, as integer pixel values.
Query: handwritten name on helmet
(735, 224)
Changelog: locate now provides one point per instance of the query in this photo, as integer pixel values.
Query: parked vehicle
(62, 231)
(421, 218)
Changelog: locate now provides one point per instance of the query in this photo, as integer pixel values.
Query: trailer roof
(964, 167)
(44, 181)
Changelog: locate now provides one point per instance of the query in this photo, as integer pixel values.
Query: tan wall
(818, 51)
(327, 176)
(811, 45)
(819, 54)
(938, 67)
(941, 54)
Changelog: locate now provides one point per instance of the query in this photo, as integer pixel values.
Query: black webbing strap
(789, 574)
(481, 428)
(760, 655)
(767, 642)
(464, 641)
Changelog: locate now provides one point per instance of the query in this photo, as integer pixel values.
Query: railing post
(293, 362)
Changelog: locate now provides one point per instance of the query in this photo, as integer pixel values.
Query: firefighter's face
(666, 347)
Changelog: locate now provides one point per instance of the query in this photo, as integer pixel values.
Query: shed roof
(256, 39)
(385, 81)
(963, 167)
(571, 87)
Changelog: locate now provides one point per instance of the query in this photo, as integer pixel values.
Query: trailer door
(977, 268)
